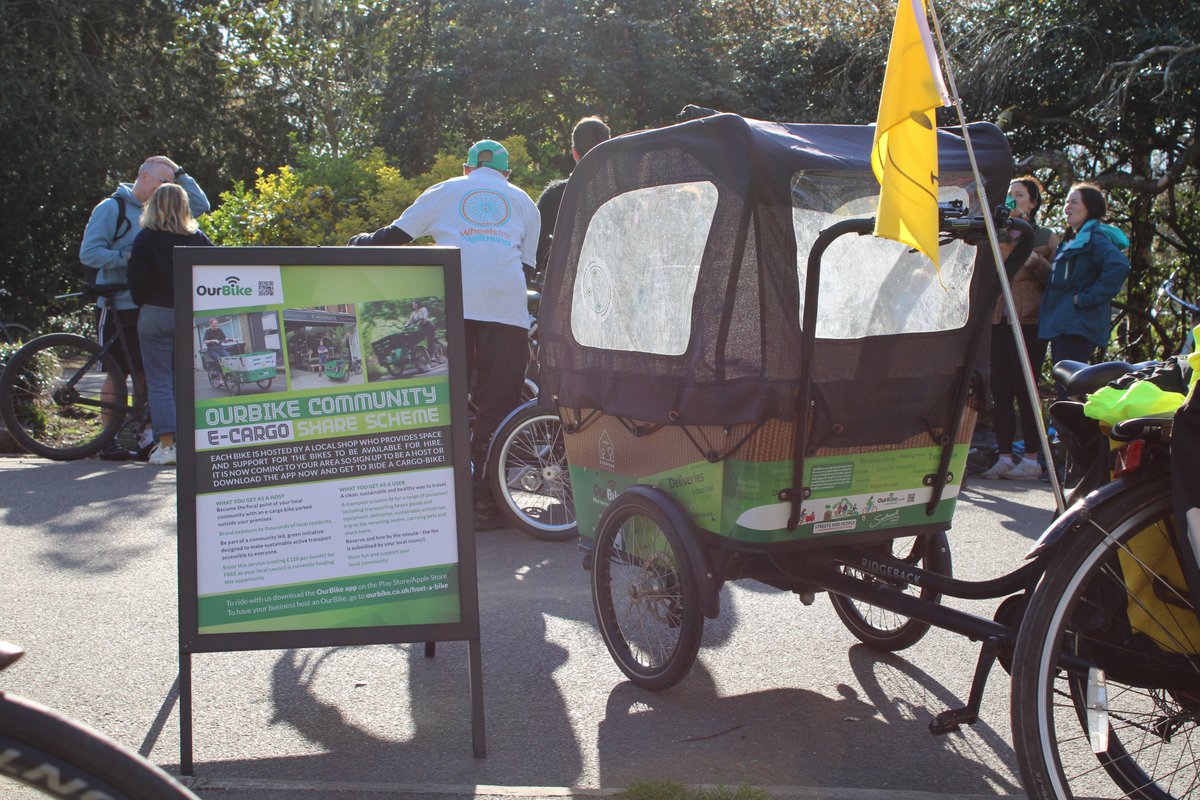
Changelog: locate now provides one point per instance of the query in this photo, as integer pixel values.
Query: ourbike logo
(228, 289)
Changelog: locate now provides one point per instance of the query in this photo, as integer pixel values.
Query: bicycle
(527, 465)
(64, 396)
(59, 757)
(526, 462)
(702, 480)
(13, 332)
(1137, 335)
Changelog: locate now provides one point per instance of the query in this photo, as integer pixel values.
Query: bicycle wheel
(528, 469)
(1147, 643)
(214, 377)
(644, 592)
(233, 383)
(420, 358)
(1134, 336)
(60, 758)
(265, 384)
(15, 332)
(53, 397)
(883, 629)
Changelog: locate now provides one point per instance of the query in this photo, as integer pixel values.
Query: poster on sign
(323, 448)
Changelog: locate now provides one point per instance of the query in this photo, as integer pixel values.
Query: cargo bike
(233, 372)
(751, 386)
(398, 352)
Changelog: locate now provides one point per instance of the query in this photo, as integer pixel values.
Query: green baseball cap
(488, 153)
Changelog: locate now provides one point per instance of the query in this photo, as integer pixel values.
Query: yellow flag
(904, 155)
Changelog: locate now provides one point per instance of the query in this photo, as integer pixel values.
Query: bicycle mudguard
(707, 586)
(1081, 510)
(507, 417)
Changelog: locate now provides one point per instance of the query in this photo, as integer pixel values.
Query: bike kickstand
(949, 721)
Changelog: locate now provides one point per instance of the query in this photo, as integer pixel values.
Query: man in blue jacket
(107, 241)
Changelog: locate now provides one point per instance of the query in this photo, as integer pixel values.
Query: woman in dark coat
(166, 222)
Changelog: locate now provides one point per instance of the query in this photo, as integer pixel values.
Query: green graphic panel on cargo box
(851, 493)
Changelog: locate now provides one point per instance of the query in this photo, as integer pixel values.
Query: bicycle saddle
(1081, 379)
(104, 289)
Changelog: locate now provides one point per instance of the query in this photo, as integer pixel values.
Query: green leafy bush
(327, 199)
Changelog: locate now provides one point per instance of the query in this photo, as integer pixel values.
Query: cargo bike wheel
(1129, 713)
(644, 589)
(883, 629)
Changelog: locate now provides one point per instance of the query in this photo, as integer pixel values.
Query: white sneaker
(163, 456)
(1027, 470)
(998, 470)
(146, 439)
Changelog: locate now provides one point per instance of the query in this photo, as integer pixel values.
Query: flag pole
(1035, 400)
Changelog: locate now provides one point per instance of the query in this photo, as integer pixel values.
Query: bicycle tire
(1134, 336)
(16, 332)
(1153, 746)
(644, 592)
(62, 758)
(420, 359)
(886, 630)
(61, 418)
(530, 482)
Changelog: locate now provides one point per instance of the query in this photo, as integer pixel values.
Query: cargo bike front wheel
(883, 629)
(644, 589)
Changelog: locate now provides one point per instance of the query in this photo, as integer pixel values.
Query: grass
(673, 790)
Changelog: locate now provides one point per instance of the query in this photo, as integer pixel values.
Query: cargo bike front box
(738, 382)
(256, 368)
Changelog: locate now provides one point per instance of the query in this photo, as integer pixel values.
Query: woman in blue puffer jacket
(1088, 271)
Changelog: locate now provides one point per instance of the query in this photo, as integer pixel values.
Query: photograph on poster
(323, 346)
(407, 337)
(237, 354)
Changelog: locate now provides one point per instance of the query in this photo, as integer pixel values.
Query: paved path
(781, 697)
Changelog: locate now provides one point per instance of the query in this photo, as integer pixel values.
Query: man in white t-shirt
(496, 226)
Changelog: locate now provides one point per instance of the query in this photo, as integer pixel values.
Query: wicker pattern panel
(607, 444)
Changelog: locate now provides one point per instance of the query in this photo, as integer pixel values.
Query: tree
(322, 61)
(1106, 92)
(88, 90)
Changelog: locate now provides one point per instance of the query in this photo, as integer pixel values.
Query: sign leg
(185, 714)
(475, 659)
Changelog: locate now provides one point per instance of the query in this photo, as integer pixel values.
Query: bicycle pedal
(949, 721)
(115, 452)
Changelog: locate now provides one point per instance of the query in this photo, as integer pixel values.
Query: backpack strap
(122, 220)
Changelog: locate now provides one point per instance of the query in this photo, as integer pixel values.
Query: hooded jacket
(100, 251)
(1086, 275)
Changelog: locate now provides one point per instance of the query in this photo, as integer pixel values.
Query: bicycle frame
(124, 356)
(823, 568)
